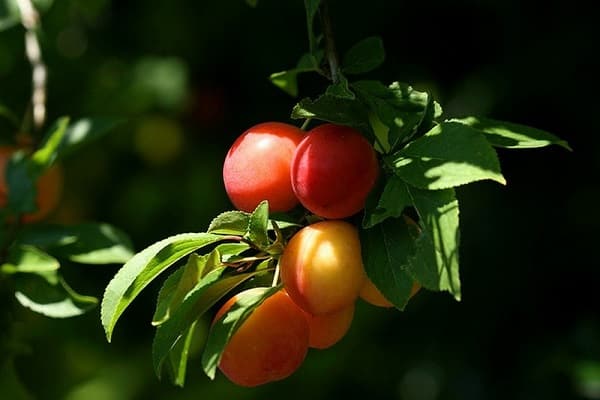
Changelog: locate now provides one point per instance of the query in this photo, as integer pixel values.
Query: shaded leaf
(88, 243)
(85, 131)
(398, 106)
(341, 89)
(334, 109)
(364, 56)
(386, 251)
(387, 203)
(311, 6)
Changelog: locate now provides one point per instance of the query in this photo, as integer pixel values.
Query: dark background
(190, 76)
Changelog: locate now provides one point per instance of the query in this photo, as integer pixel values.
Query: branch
(330, 52)
(31, 21)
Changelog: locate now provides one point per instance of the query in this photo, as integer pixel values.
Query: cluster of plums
(329, 170)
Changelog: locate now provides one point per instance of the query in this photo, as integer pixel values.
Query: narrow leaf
(172, 293)
(179, 354)
(386, 252)
(47, 154)
(435, 264)
(224, 328)
(165, 295)
(364, 56)
(199, 300)
(511, 135)
(449, 155)
(140, 270)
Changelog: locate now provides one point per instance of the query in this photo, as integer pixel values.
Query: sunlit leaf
(436, 263)
(199, 300)
(52, 300)
(511, 135)
(143, 268)
(449, 155)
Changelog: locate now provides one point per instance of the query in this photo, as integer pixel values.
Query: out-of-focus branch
(31, 21)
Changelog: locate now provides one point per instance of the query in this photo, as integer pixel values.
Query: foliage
(424, 158)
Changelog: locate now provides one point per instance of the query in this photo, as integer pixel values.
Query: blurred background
(190, 76)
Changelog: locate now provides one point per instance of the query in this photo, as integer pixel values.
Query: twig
(330, 52)
(31, 21)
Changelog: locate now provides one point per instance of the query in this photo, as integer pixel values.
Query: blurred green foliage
(191, 76)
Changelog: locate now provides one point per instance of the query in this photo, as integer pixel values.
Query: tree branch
(31, 21)
(330, 52)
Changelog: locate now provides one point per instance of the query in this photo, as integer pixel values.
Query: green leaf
(252, 3)
(11, 385)
(20, 180)
(386, 251)
(388, 203)
(288, 80)
(224, 328)
(52, 300)
(165, 295)
(88, 243)
(333, 109)
(341, 89)
(31, 260)
(177, 286)
(398, 106)
(10, 14)
(47, 154)
(179, 354)
(435, 264)
(85, 131)
(364, 56)
(5, 112)
(140, 270)
(449, 155)
(311, 6)
(258, 225)
(230, 223)
(511, 135)
(199, 300)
